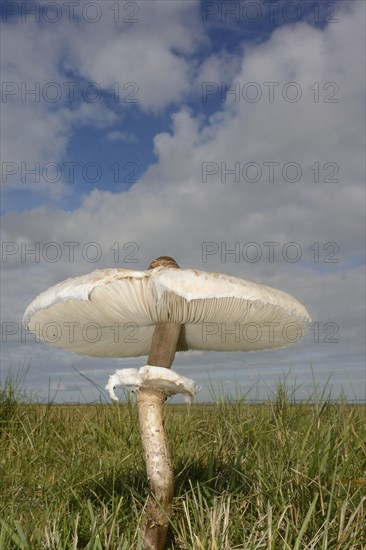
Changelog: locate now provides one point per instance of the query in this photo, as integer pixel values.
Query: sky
(229, 135)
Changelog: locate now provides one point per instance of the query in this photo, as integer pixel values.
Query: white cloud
(152, 53)
(139, 64)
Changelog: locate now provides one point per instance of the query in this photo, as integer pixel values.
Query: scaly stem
(158, 465)
(150, 403)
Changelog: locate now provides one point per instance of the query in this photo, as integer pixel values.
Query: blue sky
(169, 125)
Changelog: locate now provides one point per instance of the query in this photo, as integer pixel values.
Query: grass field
(270, 476)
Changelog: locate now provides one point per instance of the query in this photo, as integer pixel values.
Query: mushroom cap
(113, 312)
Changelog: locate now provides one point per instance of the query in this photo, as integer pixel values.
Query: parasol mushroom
(163, 310)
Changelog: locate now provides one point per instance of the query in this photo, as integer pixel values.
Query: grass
(271, 476)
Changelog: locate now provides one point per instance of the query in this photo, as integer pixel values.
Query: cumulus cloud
(59, 77)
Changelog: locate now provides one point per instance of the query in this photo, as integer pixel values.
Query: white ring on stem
(150, 376)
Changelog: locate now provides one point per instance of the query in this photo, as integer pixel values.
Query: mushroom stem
(155, 523)
(164, 345)
(150, 403)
